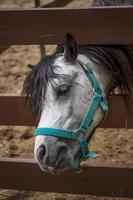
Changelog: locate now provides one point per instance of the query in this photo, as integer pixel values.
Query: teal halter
(99, 99)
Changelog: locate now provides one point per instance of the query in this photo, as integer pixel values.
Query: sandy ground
(112, 145)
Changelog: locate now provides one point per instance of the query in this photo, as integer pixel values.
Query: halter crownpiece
(99, 99)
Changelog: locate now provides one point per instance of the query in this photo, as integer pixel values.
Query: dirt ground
(112, 145)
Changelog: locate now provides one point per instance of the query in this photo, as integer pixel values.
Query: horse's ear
(70, 51)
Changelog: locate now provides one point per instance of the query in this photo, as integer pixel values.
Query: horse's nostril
(62, 150)
(41, 152)
(52, 155)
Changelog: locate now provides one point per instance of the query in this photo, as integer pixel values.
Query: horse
(68, 92)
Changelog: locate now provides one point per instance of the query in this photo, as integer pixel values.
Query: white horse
(68, 93)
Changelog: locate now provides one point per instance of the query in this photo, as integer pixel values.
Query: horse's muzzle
(53, 155)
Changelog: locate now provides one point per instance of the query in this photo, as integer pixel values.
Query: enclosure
(26, 27)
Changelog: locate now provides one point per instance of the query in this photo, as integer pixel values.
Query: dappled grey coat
(112, 2)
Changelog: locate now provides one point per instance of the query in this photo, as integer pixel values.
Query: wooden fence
(49, 26)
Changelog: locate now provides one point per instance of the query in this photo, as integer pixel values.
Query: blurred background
(112, 145)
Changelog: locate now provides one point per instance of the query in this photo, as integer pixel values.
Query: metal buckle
(94, 90)
(80, 134)
(96, 93)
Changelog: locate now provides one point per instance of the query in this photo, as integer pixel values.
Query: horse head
(68, 92)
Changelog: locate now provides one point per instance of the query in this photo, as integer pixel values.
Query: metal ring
(79, 134)
(94, 91)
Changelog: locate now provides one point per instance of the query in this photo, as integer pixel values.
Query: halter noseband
(99, 99)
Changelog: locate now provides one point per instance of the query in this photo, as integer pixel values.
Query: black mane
(116, 58)
(35, 83)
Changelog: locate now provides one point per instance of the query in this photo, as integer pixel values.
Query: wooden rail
(95, 179)
(56, 3)
(13, 111)
(3, 48)
(112, 25)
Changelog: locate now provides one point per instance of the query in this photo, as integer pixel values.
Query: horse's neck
(106, 83)
(103, 76)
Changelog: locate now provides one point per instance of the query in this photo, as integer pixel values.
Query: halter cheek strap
(99, 99)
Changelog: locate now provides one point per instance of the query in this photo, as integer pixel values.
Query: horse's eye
(63, 89)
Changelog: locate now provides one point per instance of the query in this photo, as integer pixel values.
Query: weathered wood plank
(120, 115)
(14, 111)
(50, 25)
(95, 179)
(3, 48)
